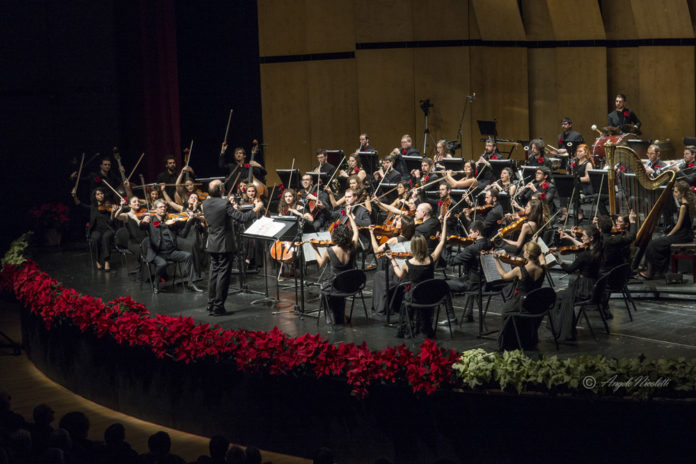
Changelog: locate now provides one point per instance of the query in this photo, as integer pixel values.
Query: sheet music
(265, 227)
(401, 247)
(490, 271)
(550, 259)
(307, 249)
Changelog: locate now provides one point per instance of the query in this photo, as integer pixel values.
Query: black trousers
(219, 280)
(102, 240)
(177, 256)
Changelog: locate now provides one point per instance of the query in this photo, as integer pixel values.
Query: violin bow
(112, 189)
(334, 173)
(79, 171)
(227, 130)
(145, 192)
(599, 194)
(536, 234)
(292, 169)
(190, 150)
(265, 213)
(135, 167)
(570, 202)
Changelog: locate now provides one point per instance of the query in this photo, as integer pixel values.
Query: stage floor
(662, 328)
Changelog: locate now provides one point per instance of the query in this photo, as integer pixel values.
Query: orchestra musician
(186, 188)
(426, 224)
(469, 180)
(354, 168)
(529, 229)
(542, 185)
(219, 214)
(685, 169)
(419, 268)
(104, 173)
(340, 257)
(504, 184)
(360, 214)
(441, 151)
(568, 136)
(580, 170)
(163, 247)
(288, 203)
(490, 152)
(324, 166)
(469, 259)
(130, 236)
(357, 187)
(100, 229)
(423, 175)
(537, 154)
(658, 252)
(252, 249)
(407, 149)
(494, 217)
(364, 143)
(168, 177)
(191, 237)
(622, 118)
(237, 171)
(444, 203)
(654, 164)
(387, 171)
(618, 240)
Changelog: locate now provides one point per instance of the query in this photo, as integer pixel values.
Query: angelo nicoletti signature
(640, 381)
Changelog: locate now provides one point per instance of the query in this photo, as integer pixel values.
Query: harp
(621, 154)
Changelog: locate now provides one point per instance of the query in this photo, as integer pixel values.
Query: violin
(567, 250)
(201, 194)
(384, 231)
(616, 231)
(512, 227)
(572, 231)
(512, 260)
(142, 212)
(456, 240)
(479, 209)
(106, 206)
(397, 255)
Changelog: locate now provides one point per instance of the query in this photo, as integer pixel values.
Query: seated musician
(384, 284)
(314, 209)
(530, 228)
(685, 169)
(407, 149)
(490, 152)
(617, 240)
(404, 204)
(354, 168)
(359, 212)
(364, 143)
(426, 224)
(419, 268)
(469, 259)
(100, 228)
(154, 193)
(168, 176)
(568, 139)
(654, 165)
(542, 184)
(658, 251)
(185, 185)
(441, 151)
(324, 166)
(425, 174)
(504, 184)
(387, 171)
(494, 214)
(237, 171)
(131, 236)
(192, 235)
(444, 203)
(622, 118)
(537, 154)
(163, 246)
(530, 276)
(469, 180)
(357, 187)
(288, 203)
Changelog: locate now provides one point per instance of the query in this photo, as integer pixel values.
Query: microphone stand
(460, 136)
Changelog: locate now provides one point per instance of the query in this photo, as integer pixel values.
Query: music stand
(334, 157)
(498, 165)
(369, 161)
(505, 201)
(596, 176)
(564, 185)
(528, 173)
(277, 228)
(412, 162)
(453, 164)
(488, 128)
(318, 176)
(385, 187)
(284, 175)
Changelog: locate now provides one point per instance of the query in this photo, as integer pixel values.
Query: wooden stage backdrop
(334, 68)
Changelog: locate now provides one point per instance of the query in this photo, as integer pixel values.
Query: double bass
(261, 190)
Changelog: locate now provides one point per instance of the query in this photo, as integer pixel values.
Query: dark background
(76, 75)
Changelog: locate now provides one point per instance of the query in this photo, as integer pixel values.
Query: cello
(260, 186)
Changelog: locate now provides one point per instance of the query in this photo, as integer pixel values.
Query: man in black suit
(324, 166)
(162, 246)
(469, 259)
(568, 139)
(493, 218)
(429, 226)
(542, 185)
(219, 213)
(622, 118)
(406, 149)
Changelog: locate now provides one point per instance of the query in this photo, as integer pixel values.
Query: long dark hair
(596, 241)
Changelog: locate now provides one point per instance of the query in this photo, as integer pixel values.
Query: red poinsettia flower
(626, 113)
(545, 185)
(560, 141)
(426, 178)
(156, 223)
(356, 170)
(542, 195)
(494, 157)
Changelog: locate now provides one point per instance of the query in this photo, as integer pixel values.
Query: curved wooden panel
(498, 19)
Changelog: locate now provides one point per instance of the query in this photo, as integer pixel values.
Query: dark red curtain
(161, 119)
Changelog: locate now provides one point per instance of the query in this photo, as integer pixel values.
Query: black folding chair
(345, 284)
(617, 282)
(596, 301)
(431, 293)
(537, 304)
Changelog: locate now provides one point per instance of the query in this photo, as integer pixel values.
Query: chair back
(599, 287)
(539, 301)
(429, 292)
(349, 282)
(618, 276)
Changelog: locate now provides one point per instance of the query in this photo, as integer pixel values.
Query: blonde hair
(533, 251)
(419, 247)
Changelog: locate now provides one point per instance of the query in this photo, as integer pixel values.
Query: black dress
(579, 288)
(415, 274)
(658, 251)
(527, 328)
(337, 305)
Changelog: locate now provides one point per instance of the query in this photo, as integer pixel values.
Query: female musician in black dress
(530, 228)
(341, 257)
(587, 265)
(354, 168)
(419, 268)
(530, 276)
(583, 187)
(131, 235)
(100, 229)
(288, 203)
(658, 250)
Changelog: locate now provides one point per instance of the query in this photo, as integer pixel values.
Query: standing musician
(469, 180)
(219, 213)
(104, 173)
(238, 171)
(469, 258)
(406, 149)
(622, 118)
(568, 136)
(100, 229)
(423, 175)
(324, 166)
(580, 170)
(530, 228)
(354, 168)
(537, 154)
(168, 176)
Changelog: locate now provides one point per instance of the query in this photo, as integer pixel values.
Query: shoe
(107, 267)
(193, 288)
(445, 322)
(218, 312)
